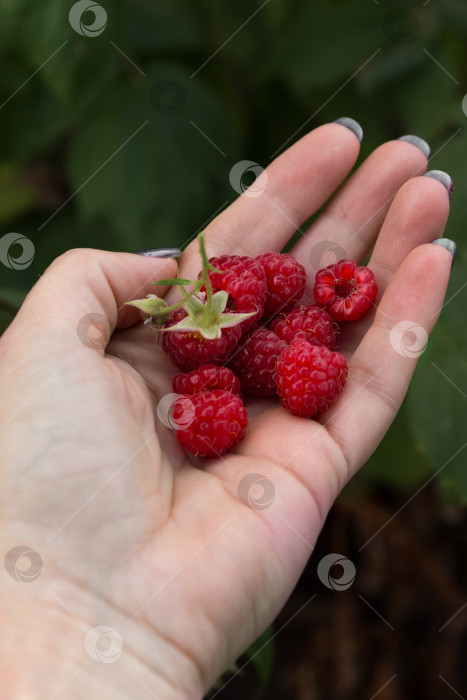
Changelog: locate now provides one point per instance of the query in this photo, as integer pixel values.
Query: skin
(135, 536)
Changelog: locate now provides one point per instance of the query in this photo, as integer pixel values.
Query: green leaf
(165, 25)
(229, 320)
(16, 195)
(194, 306)
(437, 398)
(153, 307)
(219, 302)
(174, 280)
(416, 93)
(399, 462)
(151, 168)
(451, 158)
(190, 325)
(10, 301)
(325, 42)
(261, 653)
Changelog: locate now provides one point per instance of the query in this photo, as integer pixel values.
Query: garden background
(124, 139)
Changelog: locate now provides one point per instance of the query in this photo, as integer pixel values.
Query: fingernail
(443, 178)
(418, 142)
(449, 245)
(352, 125)
(160, 252)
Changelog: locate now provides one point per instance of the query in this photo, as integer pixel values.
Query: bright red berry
(189, 350)
(254, 361)
(312, 323)
(286, 280)
(245, 281)
(345, 290)
(219, 422)
(309, 377)
(206, 378)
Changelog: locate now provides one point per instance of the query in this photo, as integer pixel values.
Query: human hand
(176, 559)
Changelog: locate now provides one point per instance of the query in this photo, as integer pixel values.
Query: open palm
(189, 560)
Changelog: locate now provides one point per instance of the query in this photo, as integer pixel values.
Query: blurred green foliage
(125, 140)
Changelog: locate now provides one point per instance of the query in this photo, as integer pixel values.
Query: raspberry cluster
(241, 329)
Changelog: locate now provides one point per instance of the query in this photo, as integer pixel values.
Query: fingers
(83, 287)
(354, 217)
(380, 370)
(296, 184)
(417, 215)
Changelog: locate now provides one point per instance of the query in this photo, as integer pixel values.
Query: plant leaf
(229, 320)
(438, 394)
(174, 280)
(194, 306)
(219, 302)
(153, 307)
(262, 653)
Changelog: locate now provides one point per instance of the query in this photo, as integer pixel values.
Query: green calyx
(205, 310)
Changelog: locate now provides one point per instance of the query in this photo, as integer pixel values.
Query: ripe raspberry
(206, 378)
(189, 350)
(254, 362)
(345, 290)
(245, 282)
(219, 422)
(309, 322)
(286, 280)
(309, 377)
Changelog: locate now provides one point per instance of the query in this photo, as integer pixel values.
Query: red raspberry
(309, 322)
(206, 378)
(254, 362)
(309, 377)
(345, 290)
(218, 423)
(286, 280)
(245, 282)
(188, 350)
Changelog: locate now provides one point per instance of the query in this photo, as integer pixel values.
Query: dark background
(124, 152)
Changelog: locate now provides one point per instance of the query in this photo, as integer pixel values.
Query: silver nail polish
(443, 178)
(160, 253)
(352, 125)
(418, 142)
(449, 245)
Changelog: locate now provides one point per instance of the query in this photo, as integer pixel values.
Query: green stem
(207, 319)
(185, 296)
(207, 316)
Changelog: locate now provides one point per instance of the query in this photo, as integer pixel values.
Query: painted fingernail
(160, 252)
(449, 245)
(352, 125)
(418, 142)
(443, 178)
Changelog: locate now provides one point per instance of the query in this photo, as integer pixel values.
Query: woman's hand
(187, 564)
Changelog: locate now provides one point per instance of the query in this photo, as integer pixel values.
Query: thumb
(83, 288)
